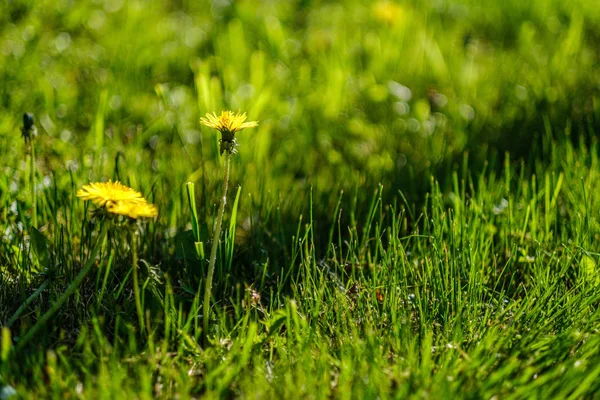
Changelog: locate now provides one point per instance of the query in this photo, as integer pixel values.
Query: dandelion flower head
(133, 210)
(117, 198)
(228, 123)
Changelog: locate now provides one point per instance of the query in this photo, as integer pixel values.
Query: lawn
(414, 215)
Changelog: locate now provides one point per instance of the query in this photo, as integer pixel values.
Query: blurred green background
(348, 94)
(345, 91)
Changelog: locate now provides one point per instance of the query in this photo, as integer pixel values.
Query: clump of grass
(474, 292)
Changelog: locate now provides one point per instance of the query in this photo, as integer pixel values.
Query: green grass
(415, 215)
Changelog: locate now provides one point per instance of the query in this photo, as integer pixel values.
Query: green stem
(33, 186)
(29, 300)
(213, 251)
(136, 284)
(63, 298)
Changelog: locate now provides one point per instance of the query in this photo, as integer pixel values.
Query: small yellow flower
(102, 193)
(228, 123)
(133, 210)
(117, 198)
(389, 12)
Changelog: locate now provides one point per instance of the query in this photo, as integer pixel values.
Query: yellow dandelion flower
(117, 198)
(228, 123)
(389, 12)
(102, 193)
(133, 210)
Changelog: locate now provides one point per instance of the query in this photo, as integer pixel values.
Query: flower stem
(70, 290)
(213, 251)
(136, 284)
(33, 185)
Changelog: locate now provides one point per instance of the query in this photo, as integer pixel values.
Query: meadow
(414, 216)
